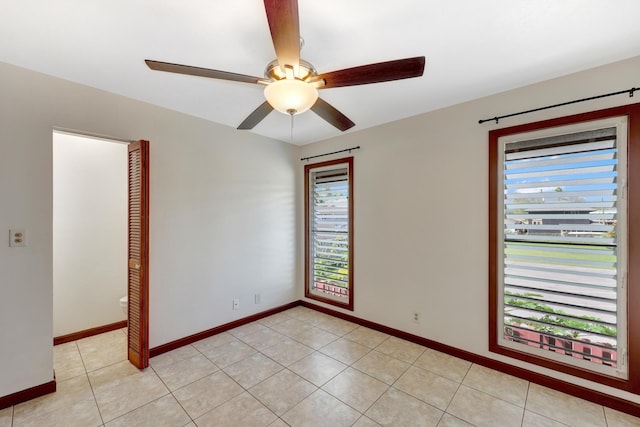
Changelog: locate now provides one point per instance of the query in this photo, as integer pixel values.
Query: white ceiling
(473, 48)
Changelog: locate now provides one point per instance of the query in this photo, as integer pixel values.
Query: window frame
(632, 113)
(308, 270)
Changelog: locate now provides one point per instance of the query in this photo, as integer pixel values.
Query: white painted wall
(89, 232)
(222, 221)
(226, 209)
(421, 211)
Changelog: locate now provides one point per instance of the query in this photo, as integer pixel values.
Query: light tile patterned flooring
(295, 368)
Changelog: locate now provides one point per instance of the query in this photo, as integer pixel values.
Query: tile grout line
(546, 415)
(179, 388)
(413, 364)
(315, 351)
(494, 395)
(298, 375)
(349, 365)
(240, 338)
(221, 370)
(606, 420)
(446, 411)
(86, 373)
(191, 420)
(526, 399)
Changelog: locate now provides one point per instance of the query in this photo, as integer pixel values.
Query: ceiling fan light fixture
(291, 96)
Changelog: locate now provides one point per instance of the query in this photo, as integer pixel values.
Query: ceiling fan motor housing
(305, 71)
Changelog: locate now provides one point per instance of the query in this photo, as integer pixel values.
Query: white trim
(622, 371)
(310, 271)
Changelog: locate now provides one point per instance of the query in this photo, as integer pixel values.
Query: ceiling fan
(291, 84)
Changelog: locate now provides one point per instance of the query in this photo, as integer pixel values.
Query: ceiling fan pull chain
(292, 113)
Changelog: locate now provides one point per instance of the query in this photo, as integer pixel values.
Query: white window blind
(563, 247)
(330, 233)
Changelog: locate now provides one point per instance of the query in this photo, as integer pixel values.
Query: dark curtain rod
(333, 152)
(497, 118)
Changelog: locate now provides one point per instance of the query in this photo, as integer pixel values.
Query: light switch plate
(17, 237)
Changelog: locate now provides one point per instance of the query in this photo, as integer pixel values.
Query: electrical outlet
(236, 304)
(416, 317)
(17, 237)
(256, 298)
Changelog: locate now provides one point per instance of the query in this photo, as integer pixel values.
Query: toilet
(123, 305)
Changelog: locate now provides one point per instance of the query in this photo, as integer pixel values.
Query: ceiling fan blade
(374, 73)
(256, 117)
(202, 72)
(331, 115)
(285, 30)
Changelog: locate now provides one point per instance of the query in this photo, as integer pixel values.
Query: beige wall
(221, 221)
(225, 213)
(421, 212)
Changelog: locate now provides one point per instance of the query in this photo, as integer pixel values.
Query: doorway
(100, 223)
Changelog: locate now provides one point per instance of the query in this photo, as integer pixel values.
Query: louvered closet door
(138, 286)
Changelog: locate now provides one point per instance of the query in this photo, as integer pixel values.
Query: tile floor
(296, 368)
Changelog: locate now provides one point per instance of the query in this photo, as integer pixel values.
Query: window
(561, 269)
(329, 232)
